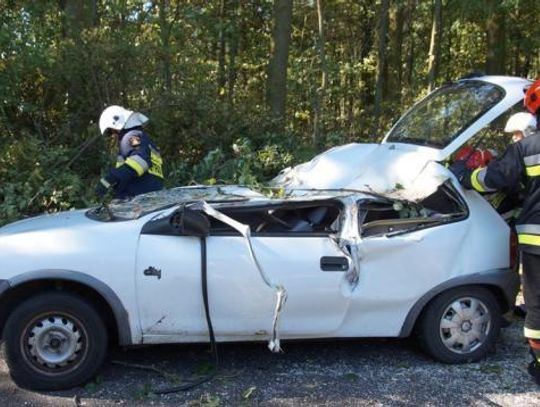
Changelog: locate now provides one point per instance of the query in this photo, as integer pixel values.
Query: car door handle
(334, 263)
(152, 271)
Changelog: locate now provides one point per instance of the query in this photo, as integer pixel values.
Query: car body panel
(72, 243)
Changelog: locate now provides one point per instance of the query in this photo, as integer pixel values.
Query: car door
(295, 254)
(307, 263)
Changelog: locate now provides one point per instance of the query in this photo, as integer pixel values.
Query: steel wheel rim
(54, 343)
(465, 325)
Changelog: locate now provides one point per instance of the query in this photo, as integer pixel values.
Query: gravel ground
(374, 372)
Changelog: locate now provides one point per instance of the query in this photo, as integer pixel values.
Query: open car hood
(406, 164)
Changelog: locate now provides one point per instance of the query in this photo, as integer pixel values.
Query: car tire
(53, 341)
(460, 325)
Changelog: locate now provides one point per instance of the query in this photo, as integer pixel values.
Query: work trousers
(531, 294)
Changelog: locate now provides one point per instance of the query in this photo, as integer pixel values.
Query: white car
(365, 240)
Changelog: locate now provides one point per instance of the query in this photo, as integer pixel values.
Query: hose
(213, 346)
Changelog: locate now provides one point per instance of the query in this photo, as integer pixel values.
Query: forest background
(235, 89)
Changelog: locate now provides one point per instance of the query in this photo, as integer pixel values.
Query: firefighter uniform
(519, 165)
(138, 166)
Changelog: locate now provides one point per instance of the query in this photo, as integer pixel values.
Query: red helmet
(480, 158)
(532, 98)
(474, 157)
(464, 153)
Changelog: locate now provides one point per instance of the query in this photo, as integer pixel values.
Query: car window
(286, 219)
(443, 115)
(387, 218)
(493, 137)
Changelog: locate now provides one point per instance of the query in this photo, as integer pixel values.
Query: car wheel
(54, 341)
(460, 325)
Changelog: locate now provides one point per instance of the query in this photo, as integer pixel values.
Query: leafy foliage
(199, 70)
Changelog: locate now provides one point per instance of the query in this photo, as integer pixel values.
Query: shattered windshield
(443, 115)
(144, 204)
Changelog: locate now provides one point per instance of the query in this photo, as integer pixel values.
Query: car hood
(46, 222)
(391, 170)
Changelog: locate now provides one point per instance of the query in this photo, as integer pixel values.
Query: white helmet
(524, 122)
(117, 118)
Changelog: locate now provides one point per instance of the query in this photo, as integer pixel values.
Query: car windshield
(443, 115)
(144, 204)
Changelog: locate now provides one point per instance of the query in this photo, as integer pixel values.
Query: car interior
(397, 217)
(284, 219)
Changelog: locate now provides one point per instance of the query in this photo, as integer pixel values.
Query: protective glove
(103, 187)
(459, 169)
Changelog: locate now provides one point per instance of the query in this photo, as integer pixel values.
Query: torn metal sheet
(281, 292)
(348, 240)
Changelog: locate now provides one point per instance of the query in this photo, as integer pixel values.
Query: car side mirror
(188, 222)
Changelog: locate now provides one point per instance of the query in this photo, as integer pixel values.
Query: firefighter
(139, 164)
(521, 125)
(520, 164)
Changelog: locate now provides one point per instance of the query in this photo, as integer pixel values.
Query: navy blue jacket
(138, 166)
(519, 165)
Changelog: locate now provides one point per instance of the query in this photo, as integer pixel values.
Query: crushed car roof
(217, 195)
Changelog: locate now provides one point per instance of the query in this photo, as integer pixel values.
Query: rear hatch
(406, 164)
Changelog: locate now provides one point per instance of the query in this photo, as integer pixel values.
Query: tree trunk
(382, 34)
(396, 51)
(496, 38)
(221, 50)
(277, 67)
(164, 35)
(435, 44)
(234, 38)
(412, 45)
(321, 92)
(78, 16)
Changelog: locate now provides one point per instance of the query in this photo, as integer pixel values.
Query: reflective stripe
(532, 160)
(137, 163)
(474, 180)
(531, 333)
(528, 228)
(497, 199)
(533, 171)
(119, 161)
(533, 240)
(105, 183)
(157, 163)
(477, 180)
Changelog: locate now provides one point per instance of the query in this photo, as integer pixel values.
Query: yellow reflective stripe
(531, 333)
(157, 162)
(497, 199)
(474, 181)
(119, 163)
(533, 240)
(533, 171)
(135, 165)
